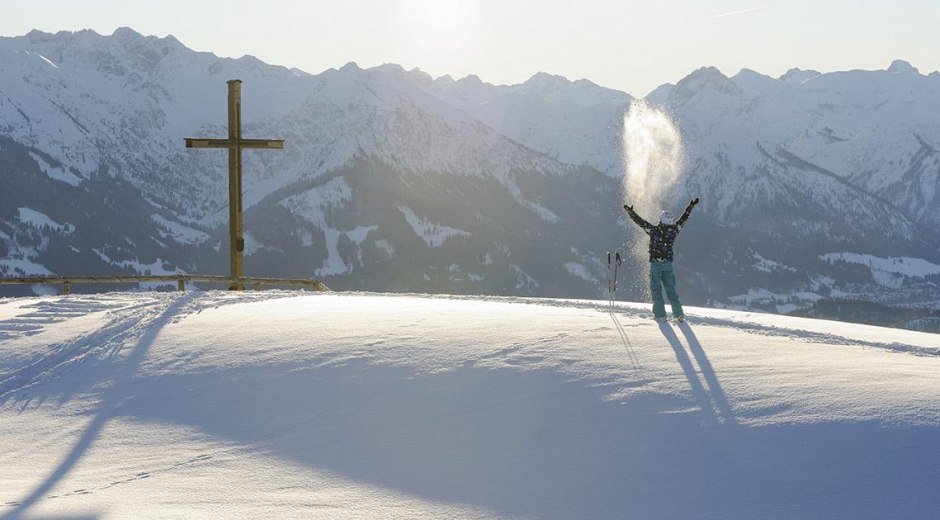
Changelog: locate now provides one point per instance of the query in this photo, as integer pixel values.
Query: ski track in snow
(754, 328)
(121, 325)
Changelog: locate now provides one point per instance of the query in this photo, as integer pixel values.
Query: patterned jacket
(662, 236)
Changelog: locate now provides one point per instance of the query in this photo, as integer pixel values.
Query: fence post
(181, 285)
(66, 287)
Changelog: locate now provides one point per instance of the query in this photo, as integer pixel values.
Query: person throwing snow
(662, 237)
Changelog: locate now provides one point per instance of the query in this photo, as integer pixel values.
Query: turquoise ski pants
(662, 276)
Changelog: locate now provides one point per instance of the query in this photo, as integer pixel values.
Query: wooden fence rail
(180, 279)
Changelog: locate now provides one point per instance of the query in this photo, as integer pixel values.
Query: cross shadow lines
(59, 358)
(23, 386)
(110, 402)
(717, 393)
(43, 313)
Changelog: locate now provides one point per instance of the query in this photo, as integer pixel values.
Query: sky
(623, 44)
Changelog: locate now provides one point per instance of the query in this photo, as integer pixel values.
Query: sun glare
(441, 32)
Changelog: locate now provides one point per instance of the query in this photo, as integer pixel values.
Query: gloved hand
(695, 201)
(628, 208)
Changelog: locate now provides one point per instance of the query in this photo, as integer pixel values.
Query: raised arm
(637, 219)
(687, 212)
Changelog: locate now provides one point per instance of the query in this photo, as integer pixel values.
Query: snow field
(270, 404)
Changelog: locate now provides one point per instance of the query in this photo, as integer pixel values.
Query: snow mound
(274, 405)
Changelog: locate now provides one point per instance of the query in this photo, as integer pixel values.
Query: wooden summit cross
(235, 144)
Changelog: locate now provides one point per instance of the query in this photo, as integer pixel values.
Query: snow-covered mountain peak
(391, 68)
(468, 90)
(79, 40)
(472, 85)
(660, 94)
(415, 76)
(582, 92)
(37, 35)
(407, 120)
(902, 67)
(353, 84)
(123, 39)
(796, 75)
(707, 82)
(705, 77)
(420, 77)
(126, 56)
(299, 72)
(745, 72)
(546, 81)
(131, 39)
(446, 79)
(755, 83)
(126, 33)
(471, 79)
(252, 61)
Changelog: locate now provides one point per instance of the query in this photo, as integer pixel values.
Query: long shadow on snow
(698, 391)
(703, 396)
(107, 409)
(534, 443)
(627, 344)
(714, 387)
(23, 385)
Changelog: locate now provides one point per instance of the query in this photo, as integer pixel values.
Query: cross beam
(235, 144)
(194, 142)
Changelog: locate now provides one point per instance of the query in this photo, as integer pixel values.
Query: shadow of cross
(107, 408)
(235, 144)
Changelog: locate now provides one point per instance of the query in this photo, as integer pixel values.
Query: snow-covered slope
(274, 405)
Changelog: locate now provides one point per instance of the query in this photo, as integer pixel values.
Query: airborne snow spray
(653, 162)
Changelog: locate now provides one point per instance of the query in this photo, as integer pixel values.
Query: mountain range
(813, 185)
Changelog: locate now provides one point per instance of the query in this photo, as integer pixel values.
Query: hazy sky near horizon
(623, 44)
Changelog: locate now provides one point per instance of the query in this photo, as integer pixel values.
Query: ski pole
(609, 281)
(617, 265)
